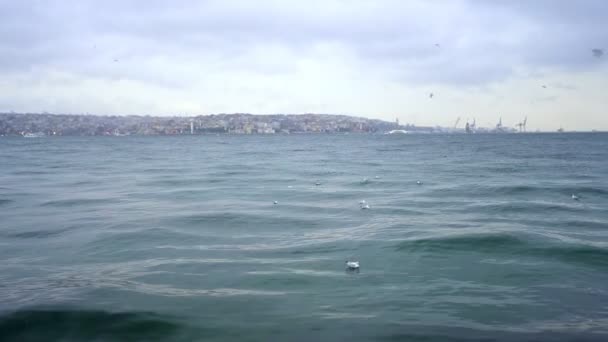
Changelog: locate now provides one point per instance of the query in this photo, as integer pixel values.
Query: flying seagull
(544, 86)
(597, 52)
(431, 95)
(437, 45)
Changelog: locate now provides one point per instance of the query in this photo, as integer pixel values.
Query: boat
(397, 131)
(33, 135)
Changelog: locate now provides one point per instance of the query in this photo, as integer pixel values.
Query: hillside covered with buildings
(90, 125)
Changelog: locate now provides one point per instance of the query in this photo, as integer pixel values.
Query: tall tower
(397, 122)
(191, 127)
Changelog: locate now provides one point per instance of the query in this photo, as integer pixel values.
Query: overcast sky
(481, 59)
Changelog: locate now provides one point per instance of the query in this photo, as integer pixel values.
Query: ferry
(33, 135)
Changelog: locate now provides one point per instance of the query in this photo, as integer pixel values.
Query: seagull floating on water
(363, 204)
(318, 183)
(574, 197)
(352, 265)
(419, 182)
(376, 177)
(275, 202)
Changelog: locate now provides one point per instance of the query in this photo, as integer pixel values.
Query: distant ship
(397, 131)
(560, 130)
(33, 135)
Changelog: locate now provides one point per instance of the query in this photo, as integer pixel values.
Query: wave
(513, 190)
(236, 220)
(523, 208)
(588, 255)
(583, 190)
(84, 182)
(79, 202)
(83, 325)
(4, 201)
(582, 224)
(446, 333)
(171, 183)
(29, 173)
(509, 244)
(517, 189)
(37, 234)
(480, 242)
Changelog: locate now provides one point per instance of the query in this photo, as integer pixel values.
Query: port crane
(456, 123)
(522, 125)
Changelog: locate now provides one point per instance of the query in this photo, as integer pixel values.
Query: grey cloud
(480, 41)
(597, 52)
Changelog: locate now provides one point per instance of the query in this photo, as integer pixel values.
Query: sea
(244, 238)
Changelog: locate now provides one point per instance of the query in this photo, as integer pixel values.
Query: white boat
(33, 135)
(397, 131)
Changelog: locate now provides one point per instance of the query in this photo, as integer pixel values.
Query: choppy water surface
(177, 238)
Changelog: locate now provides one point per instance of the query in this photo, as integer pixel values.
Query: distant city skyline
(483, 60)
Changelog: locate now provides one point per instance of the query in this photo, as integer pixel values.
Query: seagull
(275, 202)
(376, 177)
(544, 86)
(116, 60)
(437, 45)
(363, 204)
(352, 265)
(419, 182)
(318, 183)
(431, 95)
(574, 197)
(365, 180)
